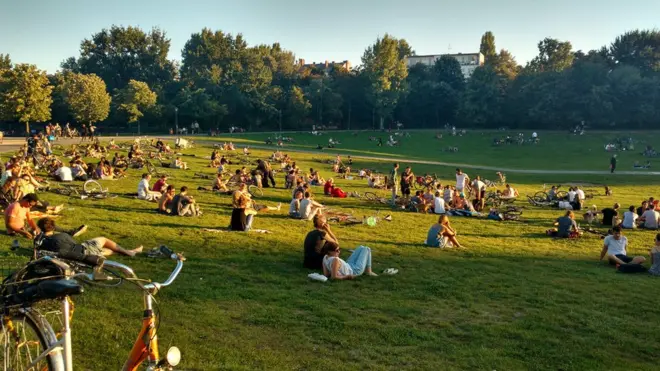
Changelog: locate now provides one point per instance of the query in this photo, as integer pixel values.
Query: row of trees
(123, 76)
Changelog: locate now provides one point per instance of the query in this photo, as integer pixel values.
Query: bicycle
(26, 331)
(427, 181)
(253, 190)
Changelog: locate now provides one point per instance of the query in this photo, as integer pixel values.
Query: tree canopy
(25, 95)
(85, 96)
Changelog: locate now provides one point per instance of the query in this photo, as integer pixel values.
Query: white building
(469, 62)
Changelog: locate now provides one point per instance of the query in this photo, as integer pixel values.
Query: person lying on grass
(329, 189)
(566, 227)
(143, 191)
(441, 233)
(19, 221)
(614, 247)
(337, 269)
(64, 244)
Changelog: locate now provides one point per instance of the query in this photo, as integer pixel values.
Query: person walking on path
(613, 163)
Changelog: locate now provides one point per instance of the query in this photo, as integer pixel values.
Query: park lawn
(513, 299)
(556, 150)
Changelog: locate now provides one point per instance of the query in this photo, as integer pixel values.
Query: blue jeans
(360, 260)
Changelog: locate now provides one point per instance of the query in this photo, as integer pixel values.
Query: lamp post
(280, 112)
(176, 120)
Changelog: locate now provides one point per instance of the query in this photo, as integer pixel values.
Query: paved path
(12, 144)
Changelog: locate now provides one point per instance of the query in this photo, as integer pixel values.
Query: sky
(46, 32)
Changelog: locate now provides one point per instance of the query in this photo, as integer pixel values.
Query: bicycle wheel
(255, 191)
(92, 186)
(540, 196)
(370, 196)
(561, 195)
(25, 335)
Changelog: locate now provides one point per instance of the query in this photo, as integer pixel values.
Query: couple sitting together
(615, 249)
(321, 251)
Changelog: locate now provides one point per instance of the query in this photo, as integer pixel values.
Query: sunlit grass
(512, 299)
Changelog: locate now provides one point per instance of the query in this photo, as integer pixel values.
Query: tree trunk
(382, 123)
(27, 128)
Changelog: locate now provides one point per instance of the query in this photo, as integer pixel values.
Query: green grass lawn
(556, 150)
(513, 299)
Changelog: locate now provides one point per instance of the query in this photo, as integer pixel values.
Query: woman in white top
(509, 192)
(359, 262)
(630, 218)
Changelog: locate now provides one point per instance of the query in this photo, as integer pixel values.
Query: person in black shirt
(640, 210)
(316, 242)
(613, 163)
(66, 246)
(609, 214)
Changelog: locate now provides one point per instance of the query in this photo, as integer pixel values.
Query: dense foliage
(222, 82)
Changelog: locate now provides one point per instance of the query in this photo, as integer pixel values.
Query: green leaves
(86, 97)
(134, 99)
(25, 95)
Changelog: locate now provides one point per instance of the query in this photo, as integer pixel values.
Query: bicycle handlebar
(179, 265)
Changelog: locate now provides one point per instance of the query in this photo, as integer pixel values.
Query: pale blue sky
(45, 32)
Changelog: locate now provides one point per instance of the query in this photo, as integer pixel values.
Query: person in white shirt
(630, 218)
(438, 204)
(650, 218)
(461, 180)
(309, 207)
(509, 192)
(63, 174)
(479, 188)
(571, 194)
(144, 192)
(535, 135)
(580, 196)
(615, 246)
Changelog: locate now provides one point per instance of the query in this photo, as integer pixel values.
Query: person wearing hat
(17, 215)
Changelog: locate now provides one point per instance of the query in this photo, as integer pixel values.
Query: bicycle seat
(53, 289)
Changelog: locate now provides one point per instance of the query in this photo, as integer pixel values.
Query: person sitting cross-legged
(65, 245)
(441, 233)
(184, 205)
(566, 226)
(144, 193)
(614, 247)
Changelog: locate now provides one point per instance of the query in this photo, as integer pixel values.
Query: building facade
(469, 62)
(324, 66)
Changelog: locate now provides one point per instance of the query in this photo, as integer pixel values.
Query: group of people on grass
(169, 201)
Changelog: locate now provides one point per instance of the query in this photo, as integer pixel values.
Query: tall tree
(86, 97)
(133, 99)
(483, 99)
(121, 54)
(638, 48)
(487, 47)
(554, 56)
(384, 64)
(5, 62)
(25, 95)
(505, 65)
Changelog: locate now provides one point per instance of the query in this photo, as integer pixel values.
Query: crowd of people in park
(20, 184)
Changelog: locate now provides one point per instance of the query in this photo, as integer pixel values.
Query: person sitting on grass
(566, 226)
(317, 243)
(242, 214)
(640, 210)
(374, 181)
(179, 164)
(160, 185)
(614, 247)
(143, 189)
(418, 203)
(309, 208)
(441, 234)
(650, 218)
(630, 218)
(509, 192)
(184, 205)
(609, 214)
(439, 206)
(331, 190)
(294, 206)
(165, 202)
(19, 221)
(65, 245)
(358, 263)
(219, 185)
(655, 257)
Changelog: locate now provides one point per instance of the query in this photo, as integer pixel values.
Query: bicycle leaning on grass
(29, 341)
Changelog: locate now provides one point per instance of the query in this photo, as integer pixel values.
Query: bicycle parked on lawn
(31, 343)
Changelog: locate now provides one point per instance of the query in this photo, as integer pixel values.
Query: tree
(85, 96)
(505, 65)
(640, 49)
(483, 99)
(121, 54)
(5, 62)
(554, 56)
(133, 99)
(297, 107)
(384, 64)
(487, 47)
(25, 95)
